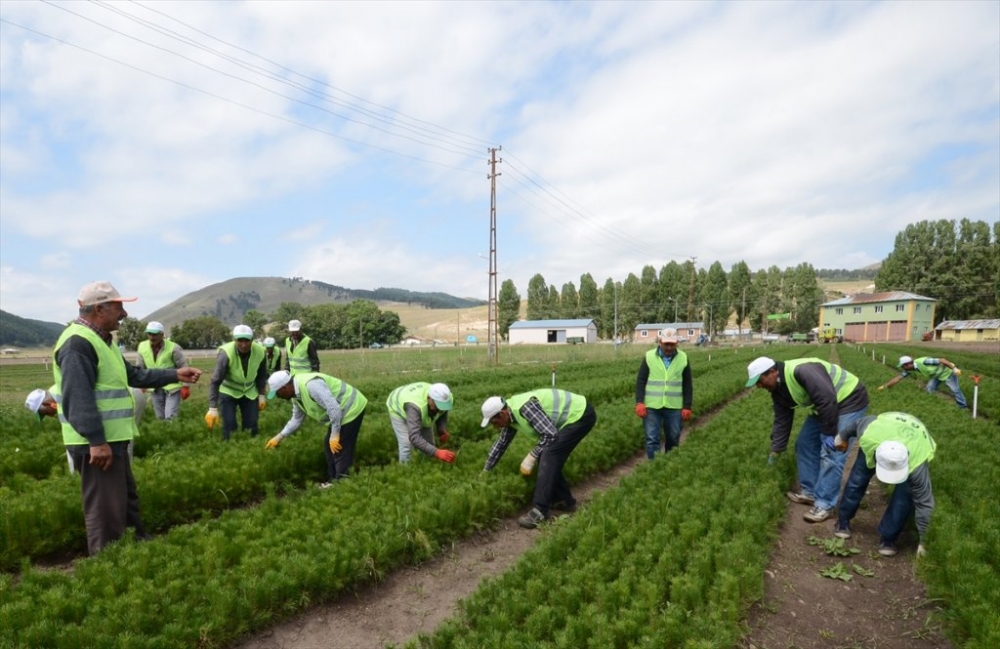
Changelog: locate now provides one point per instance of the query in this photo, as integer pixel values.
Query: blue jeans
(896, 514)
(667, 419)
(249, 413)
(820, 467)
(952, 383)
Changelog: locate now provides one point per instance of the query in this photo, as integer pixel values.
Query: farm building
(968, 331)
(538, 332)
(685, 331)
(897, 316)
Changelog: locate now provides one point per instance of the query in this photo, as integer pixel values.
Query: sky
(168, 146)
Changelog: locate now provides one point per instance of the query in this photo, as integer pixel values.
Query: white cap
(669, 336)
(892, 463)
(154, 327)
(34, 400)
(903, 360)
(277, 381)
(441, 395)
(242, 331)
(756, 368)
(294, 325)
(491, 407)
(269, 342)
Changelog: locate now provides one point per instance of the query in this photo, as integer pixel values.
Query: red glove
(185, 392)
(640, 409)
(444, 436)
(444, 456)
(685, 414)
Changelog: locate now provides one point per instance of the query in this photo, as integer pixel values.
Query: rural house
(685, 331)
(537, 332)
(968, 331)
(896, 316)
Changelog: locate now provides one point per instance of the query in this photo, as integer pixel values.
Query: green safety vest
(274, 363)
(843, 381)
(114, 400)
(665, 387)
(165, 359)
(898, 427)
(238, 384)
(298, 360)
(415, 393)
(349, 398)
(562, 407)
(939, 372)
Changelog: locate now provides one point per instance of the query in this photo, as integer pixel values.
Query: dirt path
(800, 609)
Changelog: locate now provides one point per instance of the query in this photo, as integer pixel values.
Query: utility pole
(492, 336)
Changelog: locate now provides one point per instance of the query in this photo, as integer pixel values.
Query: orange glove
(212, 418)
(640, 409)
(685, 414)
(444, 436)
(261, 402)
(335, 446)
(185, 392)
(444, 456)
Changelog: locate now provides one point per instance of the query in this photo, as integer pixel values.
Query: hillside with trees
(24, 332)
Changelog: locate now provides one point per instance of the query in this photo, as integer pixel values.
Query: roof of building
(968, 324)
(551, 324)
(868, 298)
(671, 325)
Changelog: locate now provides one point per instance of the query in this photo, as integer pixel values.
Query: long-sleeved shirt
(320, 393)
(815, 380)
(77, 360)
(221, 369)
(535, 416)
(642, 377)
(415, 428)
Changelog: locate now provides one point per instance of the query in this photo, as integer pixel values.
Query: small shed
(968, 331)
(685, 331)
(541, 332)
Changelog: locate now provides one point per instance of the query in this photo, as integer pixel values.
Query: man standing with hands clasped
(329, 401)
(155, 351)
(300, 350)
(663, 393)
(97, 409)
(561, 420)
(834, 399)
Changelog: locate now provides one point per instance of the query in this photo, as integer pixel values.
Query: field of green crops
(626, 570)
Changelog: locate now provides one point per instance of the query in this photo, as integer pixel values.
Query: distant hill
(231, 299)
(23, 332)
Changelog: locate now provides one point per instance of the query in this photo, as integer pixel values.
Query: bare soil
(800, 608)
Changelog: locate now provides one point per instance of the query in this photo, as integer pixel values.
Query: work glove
(444, 456)
(772, 458)
(261, 402)
(212, 418)
(839, 443)
(827, 441)
(273, 442)
(335, 446)
(881, 387)
(528, 463)
(685, 414)
(640, 409)
(444, 436)
(185, 392)
(921, 550)
(958, 372)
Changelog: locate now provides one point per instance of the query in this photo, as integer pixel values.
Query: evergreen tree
(569, 301)
(538, 298)
(508, 308)
(740, 295)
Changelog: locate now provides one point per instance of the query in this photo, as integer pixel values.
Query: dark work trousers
(249, 414)
(109, 497)
(338, 465)
(551, 485)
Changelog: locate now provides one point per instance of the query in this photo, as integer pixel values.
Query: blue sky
(168, 146)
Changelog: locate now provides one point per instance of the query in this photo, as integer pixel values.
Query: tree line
(332, 326)
(958, 264)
